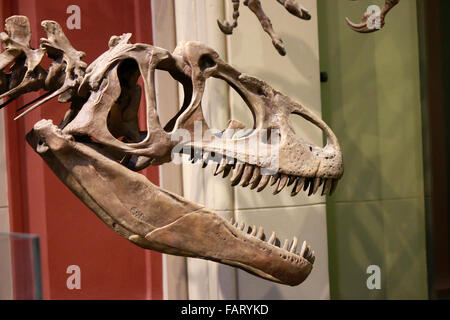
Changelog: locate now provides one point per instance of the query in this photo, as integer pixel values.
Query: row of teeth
(245, 174)
(289, 246)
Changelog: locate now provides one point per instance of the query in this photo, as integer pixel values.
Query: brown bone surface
(98, 148)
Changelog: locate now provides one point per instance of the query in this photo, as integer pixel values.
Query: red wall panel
(70, 234)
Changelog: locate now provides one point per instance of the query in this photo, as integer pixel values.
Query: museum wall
(196, 21)
(297, 75)
(170, 175)
(250, 50)
(372, 102)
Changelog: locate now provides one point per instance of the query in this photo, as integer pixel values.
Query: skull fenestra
(98, 148)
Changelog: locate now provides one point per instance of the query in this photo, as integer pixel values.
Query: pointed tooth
(302, 251)
(260, 234)
(292, 179)
(317, 183)
(231, 163)
(253, 233)
(294, 245)
(247, 175)
(264, 181)
(275, 178)
(298, 186)
(310, 253)
(277, 243)
(232, 220)
(242, 226)
(333, 186)
(205, 159)
(307, 252)
(236, 224)
(272, 238)
(286, 244)
(281, 184)
(256, 178)
(306, 184)
(221, 166)
(227, 171)
(256, 175)
(311, 188)
(313, 258)
(237, 174)
(326, 186)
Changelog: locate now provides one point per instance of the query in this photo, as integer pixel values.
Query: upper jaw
(271, 110)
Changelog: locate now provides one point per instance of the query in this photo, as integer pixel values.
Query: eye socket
(206, 62)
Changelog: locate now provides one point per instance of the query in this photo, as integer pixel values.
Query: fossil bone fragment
(373, 21)
(255, 6)
(98, 147)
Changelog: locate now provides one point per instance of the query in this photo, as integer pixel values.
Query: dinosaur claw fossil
(374, 19)
(225, 27)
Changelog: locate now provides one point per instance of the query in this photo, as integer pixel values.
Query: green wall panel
(372, 102)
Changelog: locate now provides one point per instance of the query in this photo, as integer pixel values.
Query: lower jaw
(159, 220)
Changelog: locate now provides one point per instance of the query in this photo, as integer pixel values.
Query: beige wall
(297, 75)
(170, 177)
(207, 280)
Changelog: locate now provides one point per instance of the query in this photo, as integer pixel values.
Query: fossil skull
(98, 148)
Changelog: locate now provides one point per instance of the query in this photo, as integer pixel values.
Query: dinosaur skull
(98, 149)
